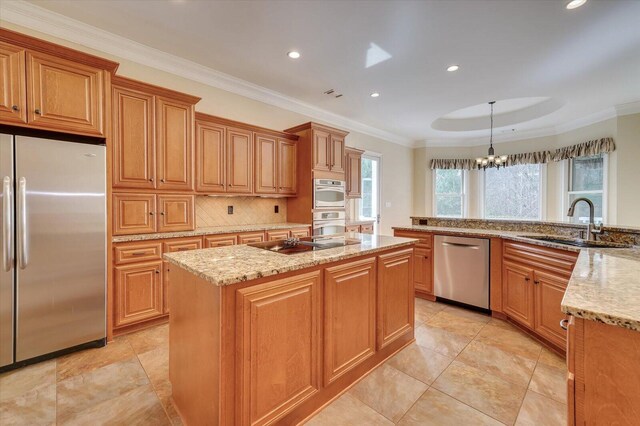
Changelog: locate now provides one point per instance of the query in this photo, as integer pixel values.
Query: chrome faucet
(592, 228)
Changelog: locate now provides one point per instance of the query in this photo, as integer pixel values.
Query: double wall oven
(328, 207)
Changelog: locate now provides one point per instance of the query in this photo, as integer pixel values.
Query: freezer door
(60, 245)
(6, 251)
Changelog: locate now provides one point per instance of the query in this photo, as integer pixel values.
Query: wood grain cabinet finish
(277, 235)
(353, 173)
(266, 164)
(350, 316)
(134, 160)
(353, 228)
(278, 341)
(176, 213)
(136, 252)
(134, 213)
(287, 167)
(13, 95)
(239, 161)
(366, 228)
(321, 150)
(395, 314)
(423, 270)
(251, 237)
(64, 95)
(518, 293)
(300, 233)
(210, 157)
(174, 144)
(220, 240)
(337, 154)
(170, 246)
(139, 292)
(549, 291)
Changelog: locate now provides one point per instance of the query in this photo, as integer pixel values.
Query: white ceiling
(587, 59)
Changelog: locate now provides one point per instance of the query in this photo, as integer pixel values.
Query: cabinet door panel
(133, 139)
(395, 296)
(134, 214)
(239, 161)
(350, 316)
(176, 213)
(423, 270)
(337, 154)
(13, 87)
(278, 332)
(518, 293)
(287, 167)
(266, 164)
(138, 292)
(210, 157)
(64, 95)
(353, 174)
(549, 291)
(220, 240)
(321, 151)
(175, 144)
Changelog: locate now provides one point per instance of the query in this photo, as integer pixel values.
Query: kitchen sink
(578, 242)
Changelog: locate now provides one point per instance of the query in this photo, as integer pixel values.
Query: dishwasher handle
(471, 246)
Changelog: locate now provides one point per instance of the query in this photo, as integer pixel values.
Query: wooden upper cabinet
(337, 154)
(350, 316)
(353, 173)
(134, 214)
(174, 144)
(287, 167)
(266, 164)
(176, 213)
(395, 314)
(517, 293)
(210, 157)
(278, 347)
(321, 150)
(133, 139)
(239, 160)
(64, 95)
(13, 95)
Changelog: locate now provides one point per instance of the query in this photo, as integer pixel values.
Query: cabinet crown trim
(132, 84)
(208, 118)
(316, 126)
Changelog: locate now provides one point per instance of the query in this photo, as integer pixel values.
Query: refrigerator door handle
(7, 260)
(23, 236)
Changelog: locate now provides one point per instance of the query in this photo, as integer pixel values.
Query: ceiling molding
(628, 108)
(45, 21)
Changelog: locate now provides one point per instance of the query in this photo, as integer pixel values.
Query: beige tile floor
(464, 368)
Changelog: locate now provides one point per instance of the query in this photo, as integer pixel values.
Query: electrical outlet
(276, 209)
(229, 209)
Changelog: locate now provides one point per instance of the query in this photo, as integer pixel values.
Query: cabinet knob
(536, 282)
(150, 179)
(157, 271)
(527, 278)
(230, 185)
(37, 111)
(150, 213)
(15, 108)
(162, 180)
(161, 213)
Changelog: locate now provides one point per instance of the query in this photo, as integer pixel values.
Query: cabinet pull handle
(563, 324)
(15, 108)
(138, 253)
(37, 111)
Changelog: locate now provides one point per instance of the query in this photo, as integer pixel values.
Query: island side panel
(194, 347)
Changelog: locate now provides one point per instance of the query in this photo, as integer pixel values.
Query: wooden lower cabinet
(278, 329)
(277, 235)
(549, 291)
(350, 316)
(138, 292)
(170, 246)
(423, 270)
(176, 213)
(353, 228)
(251, 237)
(366, 228)
(220, 240)
(137, 252)
(395, 314)
(518, 293)
(300, 232)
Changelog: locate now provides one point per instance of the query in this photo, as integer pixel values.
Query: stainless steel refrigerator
(53, 234)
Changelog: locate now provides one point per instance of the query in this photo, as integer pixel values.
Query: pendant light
(491, 160)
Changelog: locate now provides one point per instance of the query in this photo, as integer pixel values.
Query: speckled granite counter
(211, 230)
(229, 265)
(604, 286)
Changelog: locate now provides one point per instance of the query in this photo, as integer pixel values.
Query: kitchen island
(258, 337)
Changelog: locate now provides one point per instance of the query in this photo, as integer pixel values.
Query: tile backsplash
(212, 211)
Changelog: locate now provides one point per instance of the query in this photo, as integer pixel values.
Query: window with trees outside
(586, 179)
(449, 193)
(513, 192)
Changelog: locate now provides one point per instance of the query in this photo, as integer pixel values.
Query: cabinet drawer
(220, 240)
(366, 229)
(250, 237)
(182, 244)
(281, 234)
(353, 228)
(300, 233)
(137, 252)
(425, 239)
(558, 261)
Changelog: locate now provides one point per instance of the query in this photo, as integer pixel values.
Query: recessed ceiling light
(375, 94)
(293, 54)
(453, 68)
(574, 4)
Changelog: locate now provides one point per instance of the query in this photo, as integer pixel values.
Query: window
(370, 203)
(586, 179)
(449, 193)
(513, 192)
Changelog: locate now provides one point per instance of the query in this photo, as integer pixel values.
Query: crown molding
(54, 24)
(628, 108)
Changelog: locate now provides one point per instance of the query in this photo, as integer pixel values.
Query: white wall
(397, 173)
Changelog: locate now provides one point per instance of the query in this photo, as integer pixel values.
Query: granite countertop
(604, 285)
(233, 264)
(211, 230)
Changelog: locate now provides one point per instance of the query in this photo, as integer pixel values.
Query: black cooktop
(306, 244)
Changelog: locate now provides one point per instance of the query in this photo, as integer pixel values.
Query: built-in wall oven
(329, 222)
(328, 194)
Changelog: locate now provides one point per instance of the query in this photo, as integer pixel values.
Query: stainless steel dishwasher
(462, 270)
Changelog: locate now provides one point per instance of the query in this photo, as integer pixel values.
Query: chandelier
(491, 160)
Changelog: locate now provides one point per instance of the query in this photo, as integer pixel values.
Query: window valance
(593, 147)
